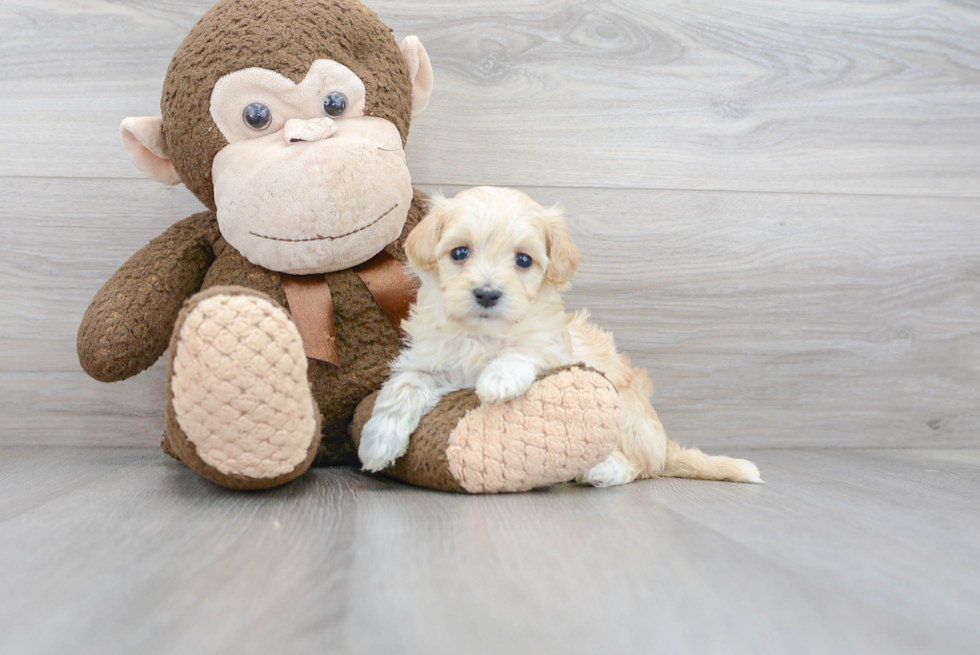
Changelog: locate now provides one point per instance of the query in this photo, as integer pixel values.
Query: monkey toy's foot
(568, 421)
(241, 413)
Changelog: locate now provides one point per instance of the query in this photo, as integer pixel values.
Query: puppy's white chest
(476, 353)
(489, 344)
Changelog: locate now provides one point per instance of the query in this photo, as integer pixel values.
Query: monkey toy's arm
(127, 327)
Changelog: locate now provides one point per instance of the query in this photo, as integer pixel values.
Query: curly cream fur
(455, 342)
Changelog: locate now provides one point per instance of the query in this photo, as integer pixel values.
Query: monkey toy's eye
(522, 260)
(257, 116)
(460, 254)
(334, 104)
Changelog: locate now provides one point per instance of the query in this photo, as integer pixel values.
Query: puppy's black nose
(487, 297)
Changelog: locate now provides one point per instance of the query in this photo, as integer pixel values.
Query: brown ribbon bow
(312, 306)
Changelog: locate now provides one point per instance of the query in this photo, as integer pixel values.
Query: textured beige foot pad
(239, 390)
(566, 423)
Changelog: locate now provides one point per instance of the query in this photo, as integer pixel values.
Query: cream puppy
(491, 264)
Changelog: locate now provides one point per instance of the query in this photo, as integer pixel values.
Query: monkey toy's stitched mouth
(328, 237)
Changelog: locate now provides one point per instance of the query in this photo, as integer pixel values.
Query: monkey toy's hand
(128, 325)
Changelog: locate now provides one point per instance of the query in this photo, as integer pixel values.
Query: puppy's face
(494, 249)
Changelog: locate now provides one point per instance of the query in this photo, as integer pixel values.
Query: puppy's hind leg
(645, 451)
(642, 448)
(612, 472)
(647, 447)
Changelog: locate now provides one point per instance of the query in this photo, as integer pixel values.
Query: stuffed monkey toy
(281, 302)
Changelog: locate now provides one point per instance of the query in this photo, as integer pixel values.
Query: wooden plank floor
(121, 550)
(779, 208)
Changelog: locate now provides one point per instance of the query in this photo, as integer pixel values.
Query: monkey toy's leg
(240, 411)
(567, 422)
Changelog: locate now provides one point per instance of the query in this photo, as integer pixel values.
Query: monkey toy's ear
(147, 147)
(420, 70)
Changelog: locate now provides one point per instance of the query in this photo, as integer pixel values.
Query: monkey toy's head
(288, 118)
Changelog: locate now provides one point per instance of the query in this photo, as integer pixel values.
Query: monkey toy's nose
(316, 129)
(486, 296)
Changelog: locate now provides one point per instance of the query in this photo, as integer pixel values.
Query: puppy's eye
(460, 254)
(522, 260)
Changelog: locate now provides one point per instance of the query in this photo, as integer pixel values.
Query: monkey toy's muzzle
(288, 201)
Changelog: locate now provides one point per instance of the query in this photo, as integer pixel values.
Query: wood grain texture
(759, 95)
(842, 551)
(30, 477)
(779, 207)
(831, 299)
(765, 319)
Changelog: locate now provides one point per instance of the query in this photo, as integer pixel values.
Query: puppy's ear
(562, 251)
(422, 241)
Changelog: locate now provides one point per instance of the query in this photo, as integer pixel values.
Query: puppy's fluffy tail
(692, 463)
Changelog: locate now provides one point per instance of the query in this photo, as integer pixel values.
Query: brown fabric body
(284, 36)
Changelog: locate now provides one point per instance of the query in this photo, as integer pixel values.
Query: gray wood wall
(778, 202)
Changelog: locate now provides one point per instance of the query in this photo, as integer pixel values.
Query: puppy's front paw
(383, 440)
(499, 383)
(609, 473)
